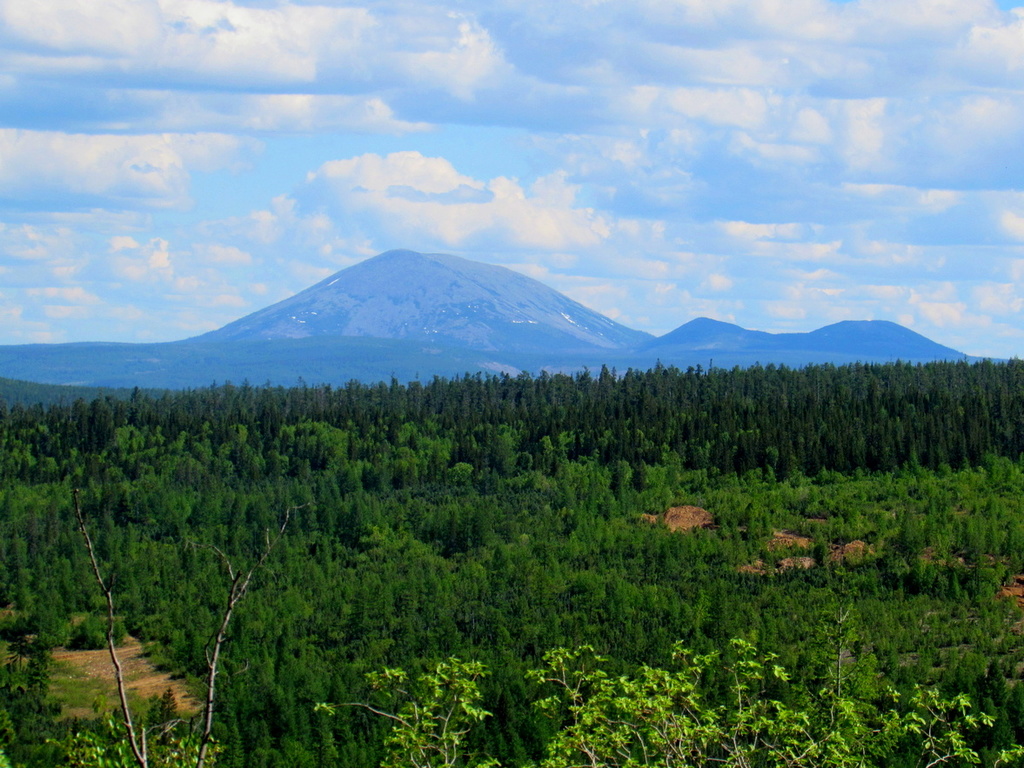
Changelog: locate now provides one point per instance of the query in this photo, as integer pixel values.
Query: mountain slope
(436, 297)
(877, 338)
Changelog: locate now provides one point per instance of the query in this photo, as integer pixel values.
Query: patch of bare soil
(686, 518)
(855, 550)
(1014, 590)
(144, 681)
(756, 567)
(788, 540)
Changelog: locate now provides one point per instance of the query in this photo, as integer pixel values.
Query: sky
(167, 166)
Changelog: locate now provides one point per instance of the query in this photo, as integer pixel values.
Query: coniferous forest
(867, 517)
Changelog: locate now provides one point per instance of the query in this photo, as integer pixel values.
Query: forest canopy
(496, 518)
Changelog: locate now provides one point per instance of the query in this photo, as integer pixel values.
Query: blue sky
(167, 166)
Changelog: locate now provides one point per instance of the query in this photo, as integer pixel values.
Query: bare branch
(138, 746)
(240, 581)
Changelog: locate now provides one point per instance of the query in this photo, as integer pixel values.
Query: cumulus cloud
(133, 171)
(427, 199)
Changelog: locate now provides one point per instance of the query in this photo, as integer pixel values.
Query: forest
(865, 518)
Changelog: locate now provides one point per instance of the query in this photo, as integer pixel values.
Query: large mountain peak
(447, 299)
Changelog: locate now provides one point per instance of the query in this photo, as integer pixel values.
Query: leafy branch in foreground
(665, 718)
(436, 713)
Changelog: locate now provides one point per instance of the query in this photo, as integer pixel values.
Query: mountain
(438, 298)
(878, 338)
(408, 315)
(843, 342)
(703, 333)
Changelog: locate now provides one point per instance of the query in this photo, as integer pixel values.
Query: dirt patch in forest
(1014, 590)
(854, 551)
(683, 518)
(89, 674)
(687, 518)
(788, 540)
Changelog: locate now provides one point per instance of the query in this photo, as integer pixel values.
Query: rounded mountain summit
(436, 297)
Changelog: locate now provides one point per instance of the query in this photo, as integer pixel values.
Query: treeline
(494, 518)
(867, 417)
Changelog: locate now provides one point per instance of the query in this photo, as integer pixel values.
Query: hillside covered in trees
(497, 518)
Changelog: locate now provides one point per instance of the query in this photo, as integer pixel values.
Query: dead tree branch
(240, 581)
(137, 743)
(239, 585)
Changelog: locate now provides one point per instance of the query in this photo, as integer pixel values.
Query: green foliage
(435, 715)
(493, 518)
(667, 717)
(167, 746)
(661, 717)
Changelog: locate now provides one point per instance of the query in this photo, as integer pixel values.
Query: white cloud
(150, 171)
(942, 314)
(99, 27)
(75, 294)
(123, 242)
(43, 245)
(470, 61)
(1012, 224)
(811, 126)
(864, 142)
(701, 155)
(222, 254)
(739, 107)
(717, 282)
(426, 199)
(149, 261)
(748, 231)
(998, 299)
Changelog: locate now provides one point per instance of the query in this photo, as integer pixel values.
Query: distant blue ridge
(408, 316)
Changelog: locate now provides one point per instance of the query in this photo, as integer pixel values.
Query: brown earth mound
(1014, 590)
(143, 680)
(686, 518)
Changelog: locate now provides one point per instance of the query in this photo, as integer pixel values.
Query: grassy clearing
(83, 681)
